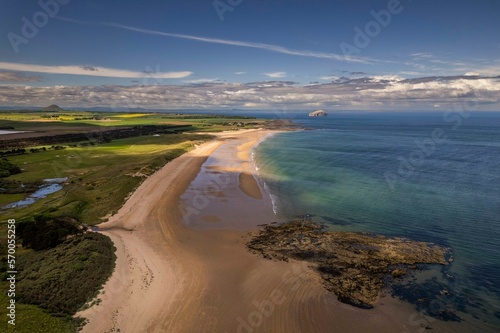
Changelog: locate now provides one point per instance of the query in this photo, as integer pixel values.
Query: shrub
(7, 168)
(65, 277)
(46, 232)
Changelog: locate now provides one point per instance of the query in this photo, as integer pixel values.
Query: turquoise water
(427, 176)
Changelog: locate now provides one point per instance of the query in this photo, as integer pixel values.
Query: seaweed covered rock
(352, 265)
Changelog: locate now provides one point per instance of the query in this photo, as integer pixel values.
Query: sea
(426, 176)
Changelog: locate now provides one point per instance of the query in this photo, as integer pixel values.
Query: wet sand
(249, 185)
(183, 266)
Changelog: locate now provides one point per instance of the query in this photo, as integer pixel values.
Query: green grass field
(99, 177)
(37, 120)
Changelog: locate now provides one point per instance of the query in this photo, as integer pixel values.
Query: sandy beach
(182, 265)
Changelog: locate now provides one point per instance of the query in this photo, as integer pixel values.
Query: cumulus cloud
(88, 70)
(380, 92)
(18, 77)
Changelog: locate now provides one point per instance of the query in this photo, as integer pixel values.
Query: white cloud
(255, 45)
(489, 70)
(329, 78)
(429, 64)
(425, 55)
(275, 74)
(410, 73)
(240, 73)
(195, 81)
(91, 71)
(363, 93)
(390, 78)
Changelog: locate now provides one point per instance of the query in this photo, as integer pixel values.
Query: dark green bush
(63, 278)
(46, 232)
(7, 168)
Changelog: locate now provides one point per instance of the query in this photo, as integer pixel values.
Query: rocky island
(352, 265)
(318, 113)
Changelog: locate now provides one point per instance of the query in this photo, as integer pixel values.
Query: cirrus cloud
(254, 45)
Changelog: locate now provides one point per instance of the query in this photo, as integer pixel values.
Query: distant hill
(52, 107)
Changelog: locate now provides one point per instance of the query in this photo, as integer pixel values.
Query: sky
(251, 54)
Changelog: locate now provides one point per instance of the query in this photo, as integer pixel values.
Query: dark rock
(398, 273)
(352, 265)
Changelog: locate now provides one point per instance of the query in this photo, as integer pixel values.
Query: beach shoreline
(173, 276)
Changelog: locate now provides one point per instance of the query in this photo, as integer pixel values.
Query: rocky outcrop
(318, 113)
(352, 265)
